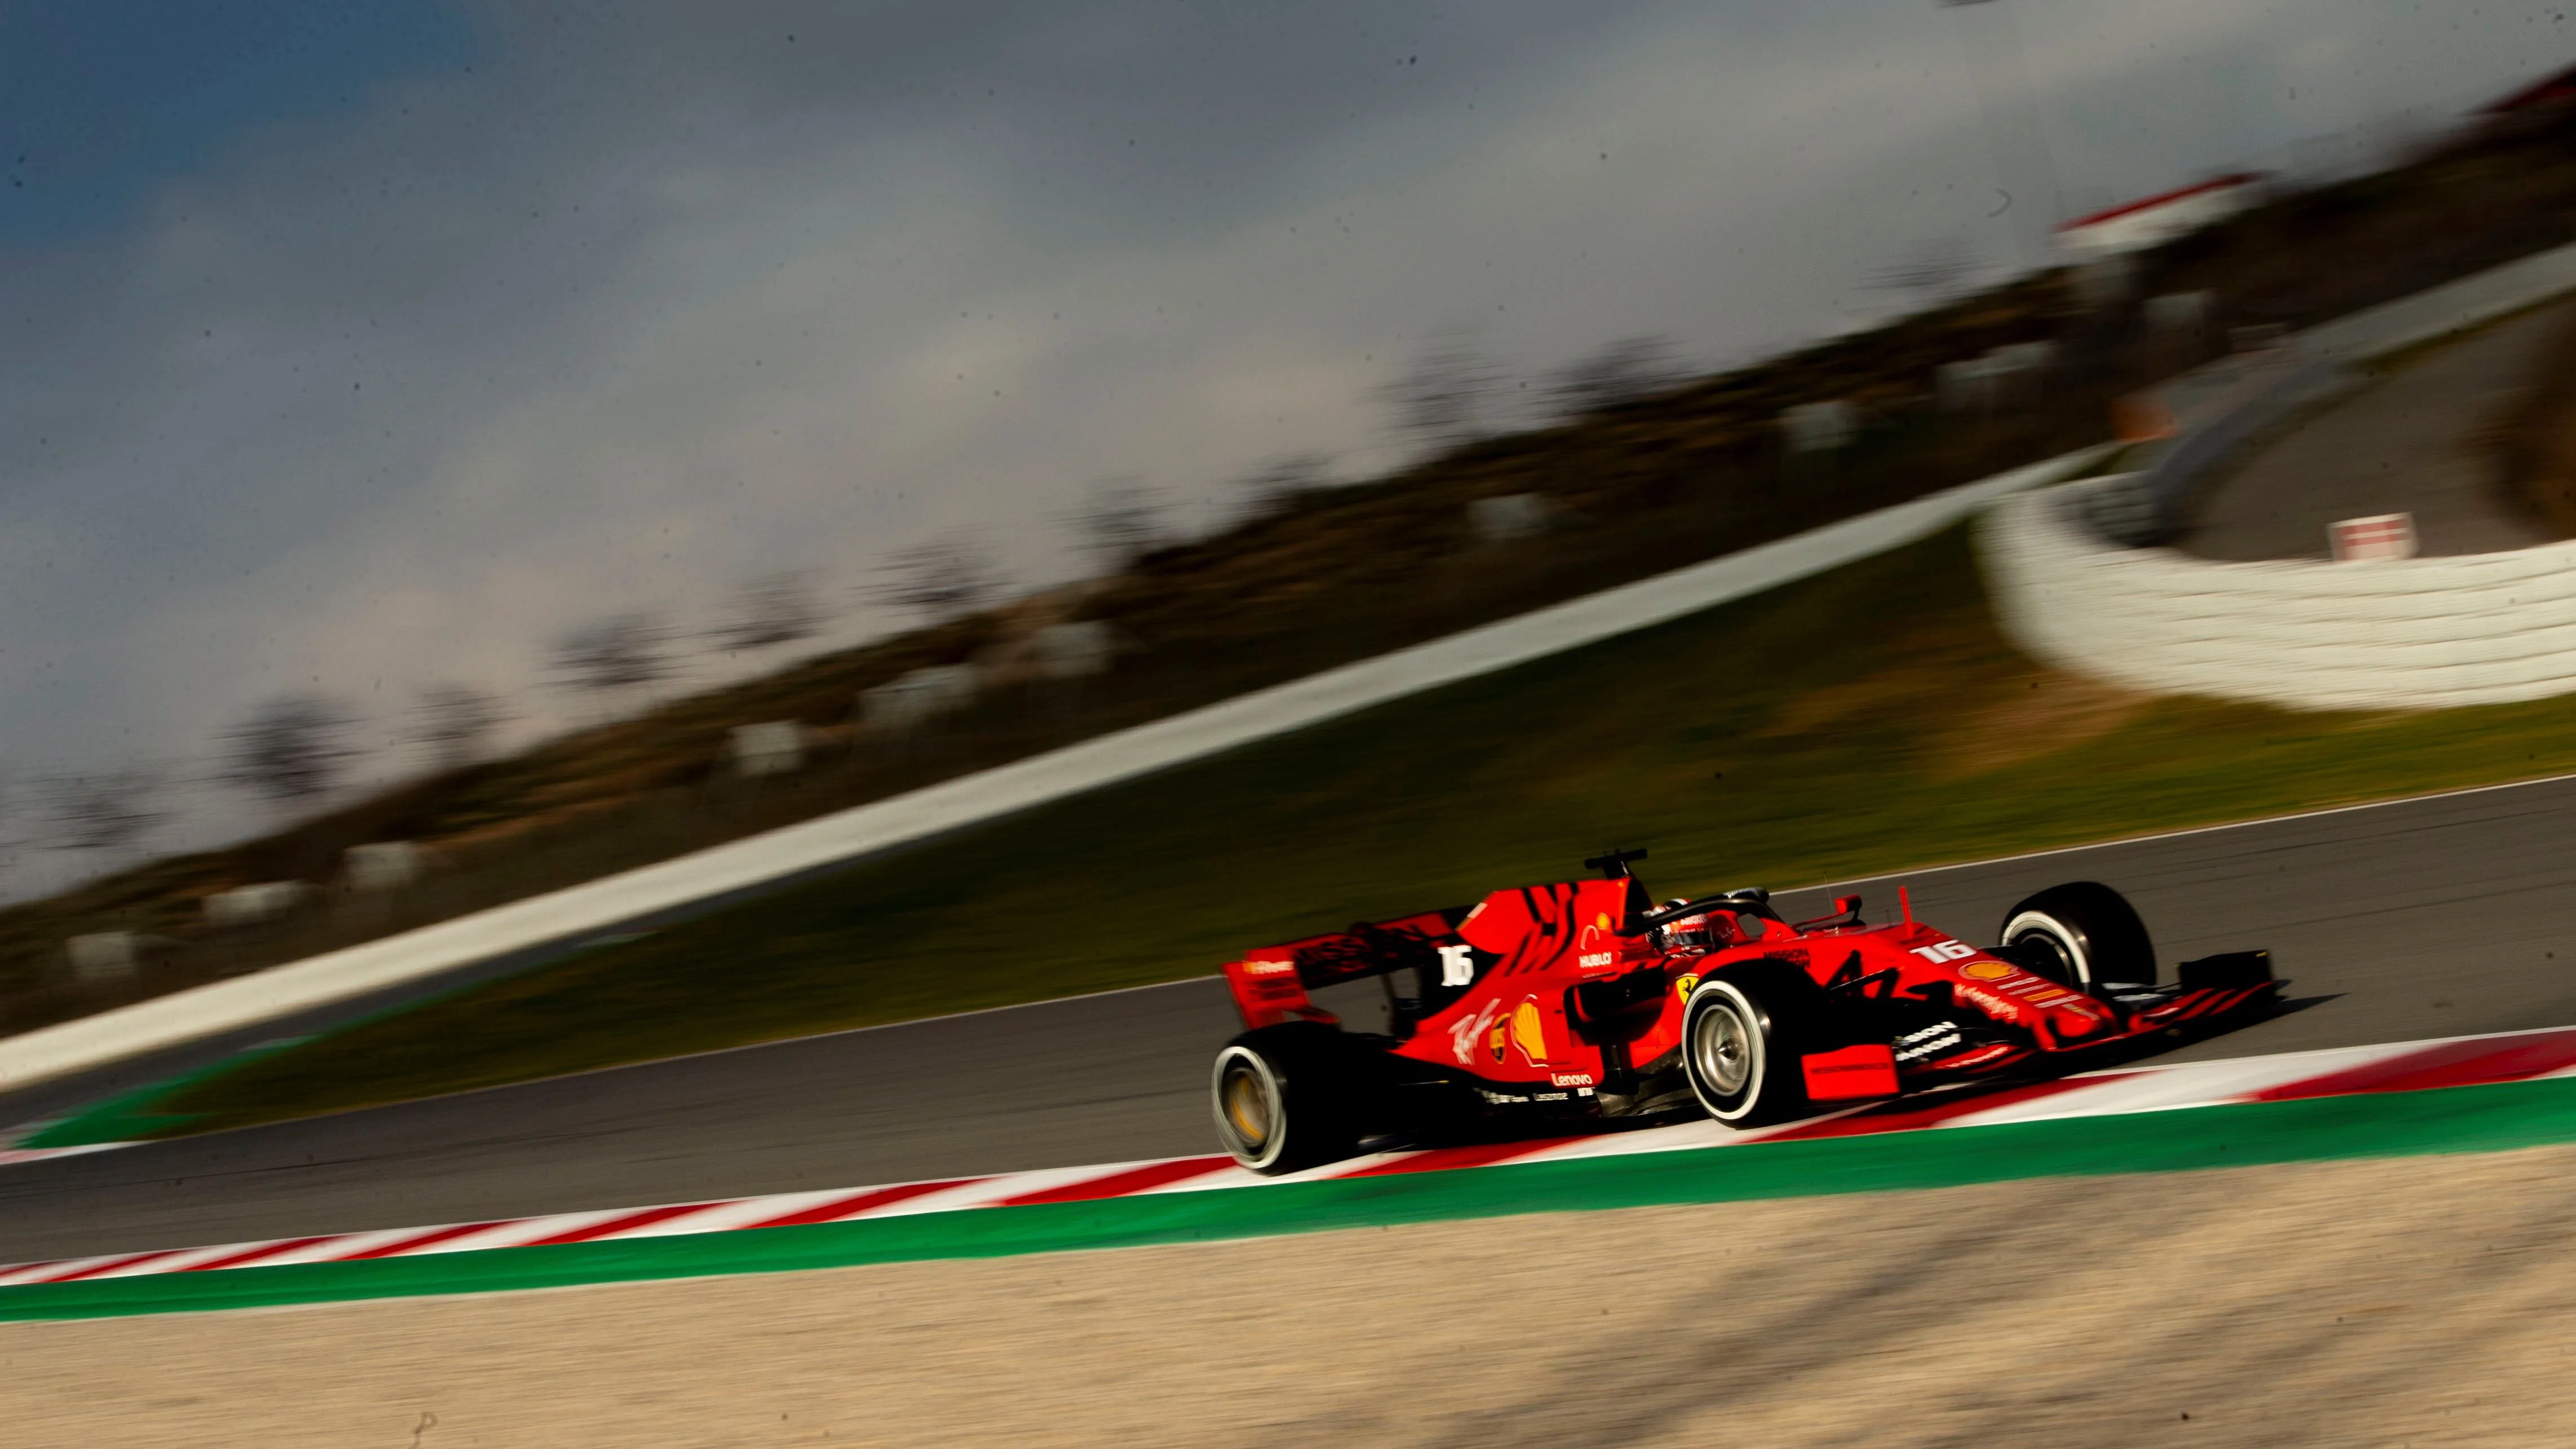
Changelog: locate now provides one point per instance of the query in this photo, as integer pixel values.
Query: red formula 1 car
(1585, 1000)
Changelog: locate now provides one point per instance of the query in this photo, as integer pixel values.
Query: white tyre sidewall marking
(1752, 1016)
(2066, 935)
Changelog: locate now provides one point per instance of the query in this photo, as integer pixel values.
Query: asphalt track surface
(2430, 917)
(2414, 441)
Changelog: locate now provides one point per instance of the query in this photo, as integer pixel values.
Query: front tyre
(1283, 1098)
(2082, 934)
(1742, 1035)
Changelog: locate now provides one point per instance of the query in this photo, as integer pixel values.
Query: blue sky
(103, 100)
(354, 349)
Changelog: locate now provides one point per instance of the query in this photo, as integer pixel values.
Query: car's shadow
(2106, 1058)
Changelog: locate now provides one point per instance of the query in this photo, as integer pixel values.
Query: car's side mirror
(1846, 913)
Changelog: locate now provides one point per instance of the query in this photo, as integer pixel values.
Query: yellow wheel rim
(1247, 1106)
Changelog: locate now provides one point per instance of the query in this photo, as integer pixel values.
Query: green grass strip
(2457, 1119)
(143, 1112)
(130, 1116)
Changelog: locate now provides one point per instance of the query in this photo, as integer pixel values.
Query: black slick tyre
(1743, 1032)
(1283, 1098)
(2082, 934)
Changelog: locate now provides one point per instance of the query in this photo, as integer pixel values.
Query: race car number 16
(1946, 951)
(1457, 965)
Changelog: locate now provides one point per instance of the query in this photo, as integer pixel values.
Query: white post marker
(2381, 535)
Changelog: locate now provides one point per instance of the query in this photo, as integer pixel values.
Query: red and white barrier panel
(2398, 1067)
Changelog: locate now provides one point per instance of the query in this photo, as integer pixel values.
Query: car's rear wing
(1270, 984)
(1267, 991)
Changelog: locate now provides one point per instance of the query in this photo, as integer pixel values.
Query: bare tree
(1282, 481)
(1444, 400)
(943, 579)
(1928, 272)
(1619, 372)
(620, 652)
(13, 826)
(778, 609)
(456, 723)
(1121, 522)
(112, 811)
(290, 750)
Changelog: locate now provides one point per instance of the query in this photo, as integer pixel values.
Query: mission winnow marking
(2345, 1102)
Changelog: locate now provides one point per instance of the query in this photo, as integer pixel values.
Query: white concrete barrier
(866, 829)
(2420, 633)
(2388, 634)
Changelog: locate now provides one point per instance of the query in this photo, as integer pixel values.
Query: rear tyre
(2082, 934)
(1742, 1035)
(1283, 1098)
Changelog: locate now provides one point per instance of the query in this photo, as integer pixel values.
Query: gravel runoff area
(2416, 1301)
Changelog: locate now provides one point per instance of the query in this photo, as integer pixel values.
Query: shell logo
(1986, 970)
(1529, 1031)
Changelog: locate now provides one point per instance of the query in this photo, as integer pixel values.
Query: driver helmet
(1706, 931)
